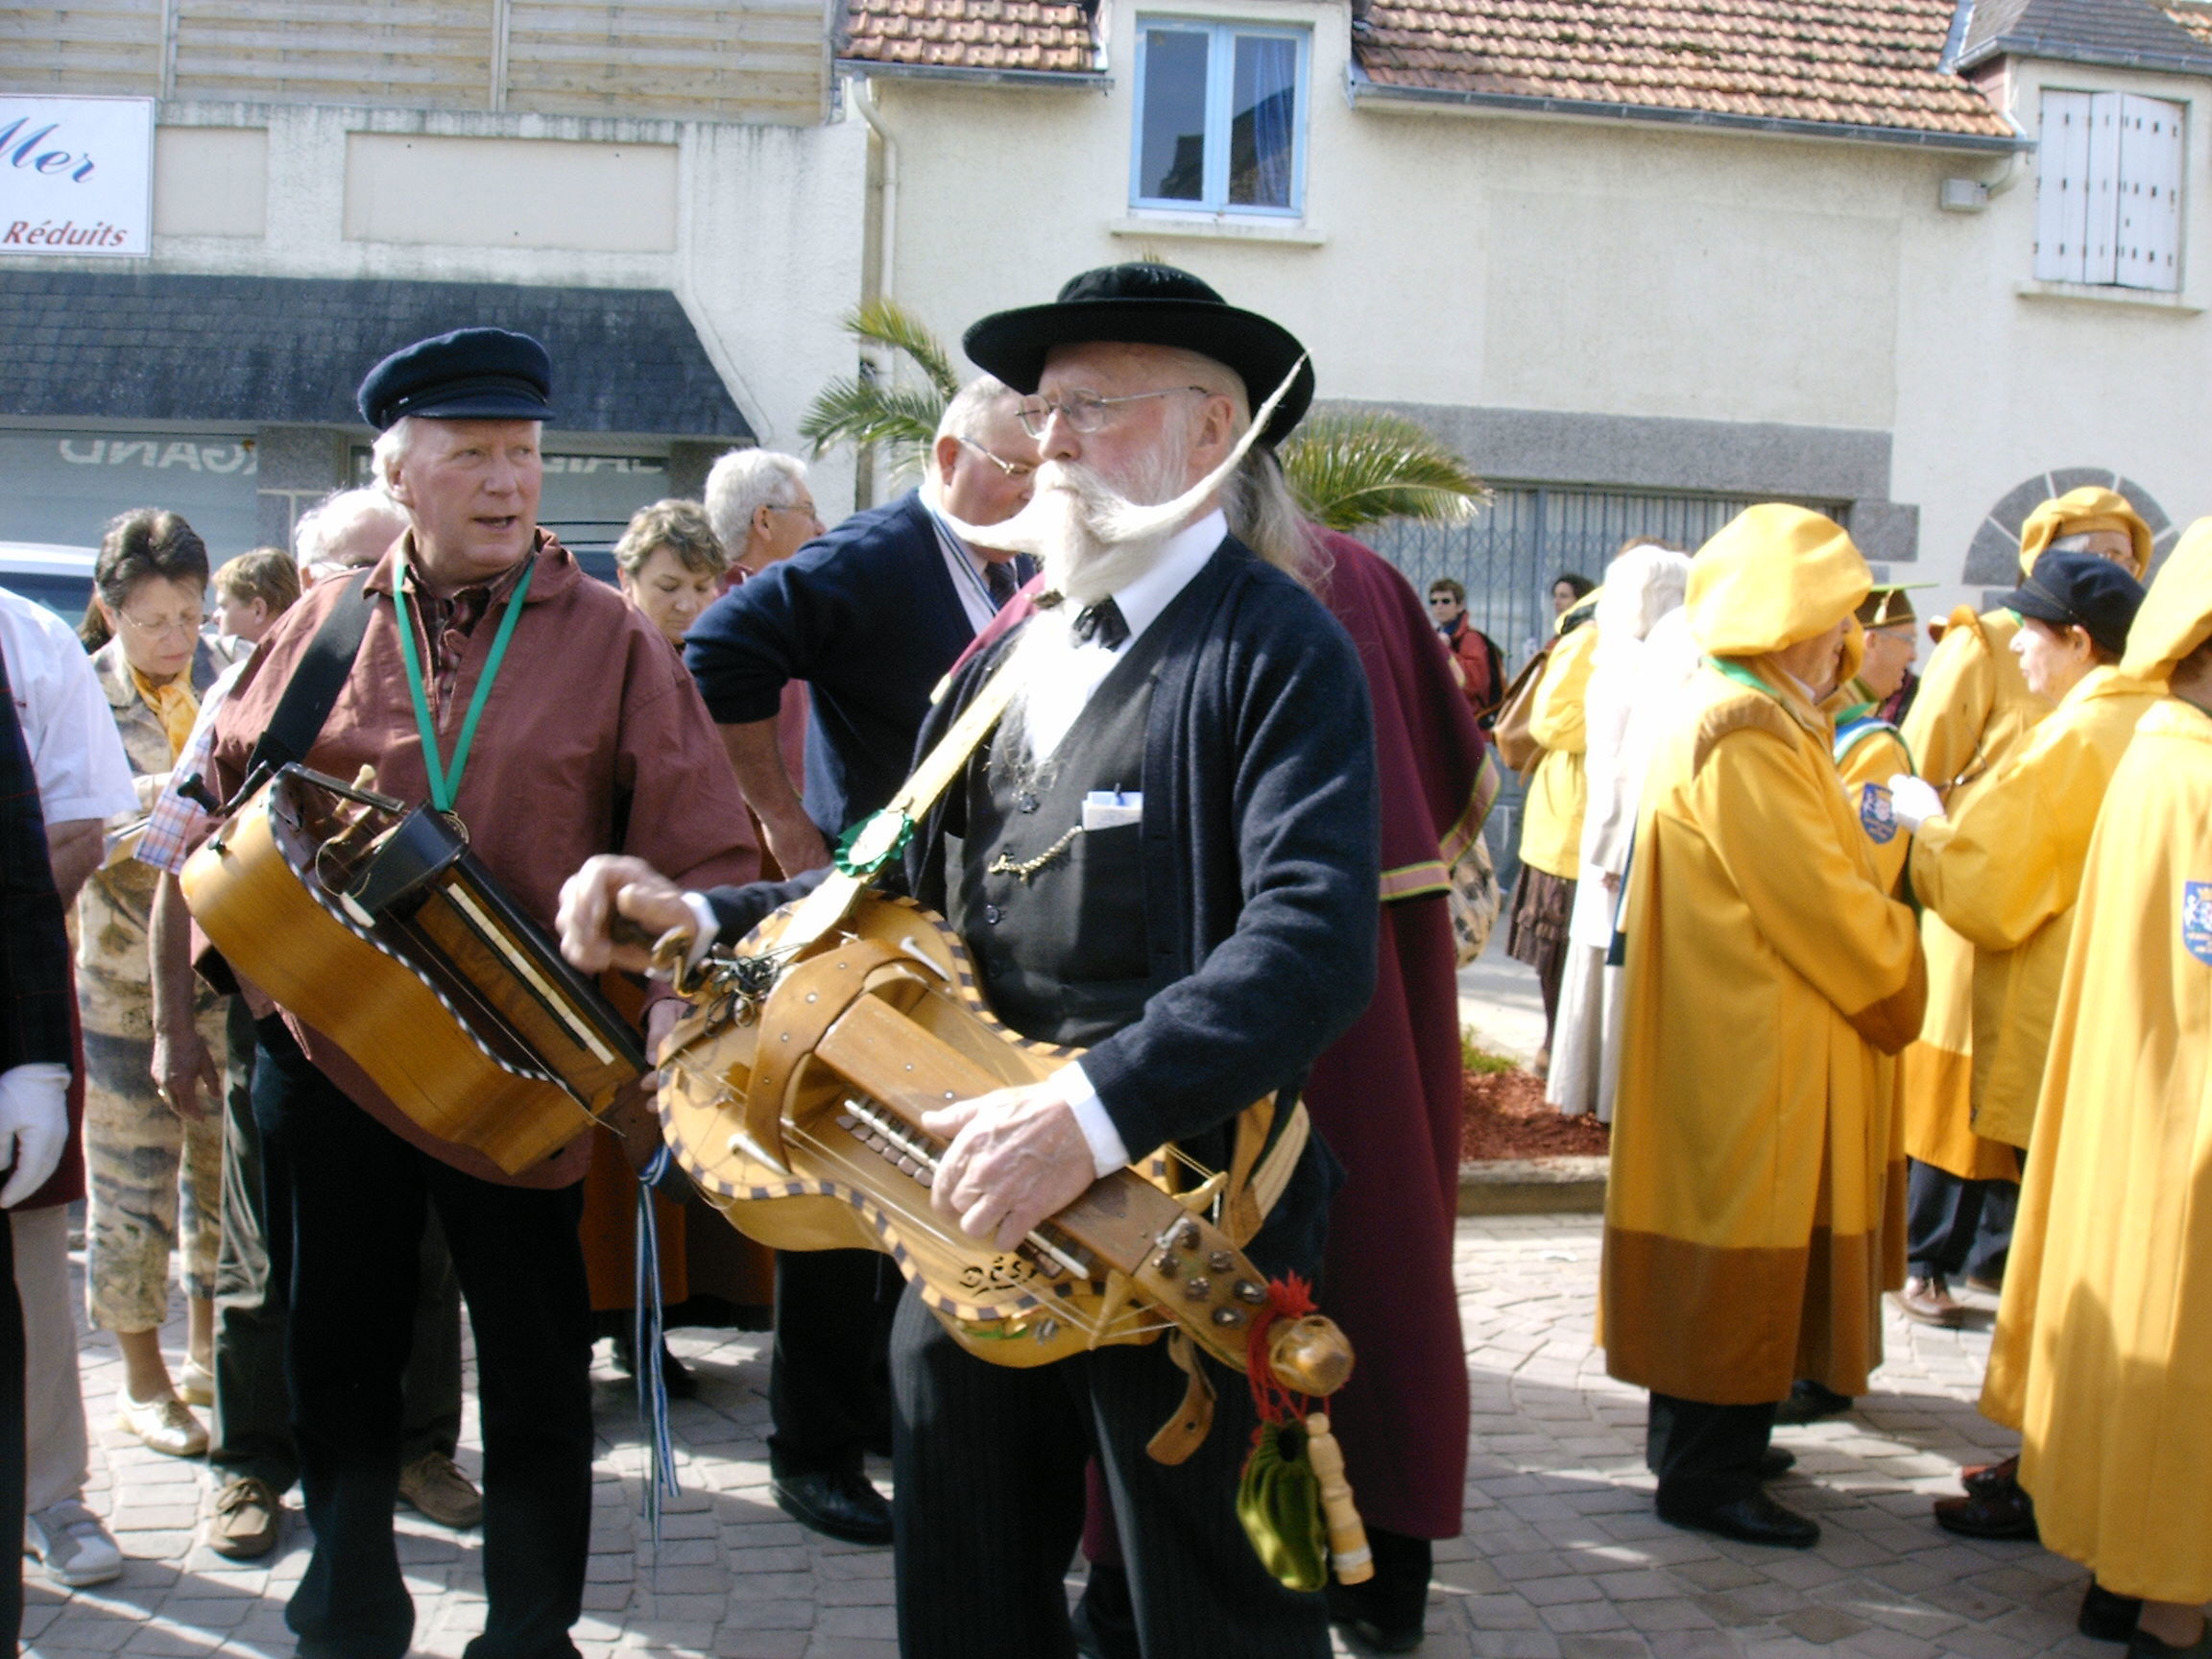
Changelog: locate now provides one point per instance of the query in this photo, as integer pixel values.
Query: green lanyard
(445, 782)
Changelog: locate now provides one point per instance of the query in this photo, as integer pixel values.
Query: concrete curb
(1533, 1186)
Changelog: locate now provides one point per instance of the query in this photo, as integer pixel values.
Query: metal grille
(1512, 551)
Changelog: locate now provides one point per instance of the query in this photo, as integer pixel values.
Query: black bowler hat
(2081, 590)
(469, 374)
(1148, 305)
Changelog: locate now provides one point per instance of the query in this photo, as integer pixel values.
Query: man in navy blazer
(870, 615)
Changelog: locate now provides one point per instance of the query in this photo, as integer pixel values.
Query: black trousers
(12, 1459)
(1704, 1454)
(829, 1380)
(250, 1431)
(1953, 1225)
(360, 1195)
(990, 1498)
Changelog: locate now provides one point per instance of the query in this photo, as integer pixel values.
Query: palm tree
(869, 408)
(1346, 470)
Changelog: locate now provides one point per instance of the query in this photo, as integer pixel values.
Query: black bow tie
(1103, 623)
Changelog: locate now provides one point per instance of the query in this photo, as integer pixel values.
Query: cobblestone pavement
(1561, 1558)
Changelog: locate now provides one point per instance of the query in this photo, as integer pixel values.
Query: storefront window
(64, 487)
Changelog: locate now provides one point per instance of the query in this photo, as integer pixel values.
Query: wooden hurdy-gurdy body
(374, 925)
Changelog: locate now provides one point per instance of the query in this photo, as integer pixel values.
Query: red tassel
(1288, 1298)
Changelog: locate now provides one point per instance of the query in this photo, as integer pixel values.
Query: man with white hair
(250, 1445)
(760, 507)
(1188, 728)
(869, 616)
(594, 741)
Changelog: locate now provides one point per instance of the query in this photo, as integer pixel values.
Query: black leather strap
(316, 682)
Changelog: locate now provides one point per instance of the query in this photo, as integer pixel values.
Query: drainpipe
(887, 231)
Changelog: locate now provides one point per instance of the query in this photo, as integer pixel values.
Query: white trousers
(59, 1457)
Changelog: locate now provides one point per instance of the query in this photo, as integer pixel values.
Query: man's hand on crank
(1018, 1155)
(610, 887)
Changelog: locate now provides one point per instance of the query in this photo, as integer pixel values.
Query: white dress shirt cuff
(1107, 1152)
(704, 926)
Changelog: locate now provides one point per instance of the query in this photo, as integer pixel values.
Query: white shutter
(2149, 230)
(2062, 187)
(2099, 236)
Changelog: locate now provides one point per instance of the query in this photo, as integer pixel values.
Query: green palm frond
(863, 412)
(888, 323)
(1350, 470)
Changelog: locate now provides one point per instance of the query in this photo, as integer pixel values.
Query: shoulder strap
(316, 681)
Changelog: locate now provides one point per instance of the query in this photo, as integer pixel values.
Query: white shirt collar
(1142, 599)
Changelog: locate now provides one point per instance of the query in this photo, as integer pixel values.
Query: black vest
(1054, 913)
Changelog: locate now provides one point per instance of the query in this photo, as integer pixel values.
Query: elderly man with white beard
(1167, 856)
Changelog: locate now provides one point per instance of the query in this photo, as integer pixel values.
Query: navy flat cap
(2081, 590)
(1148, 305)
(469, 374)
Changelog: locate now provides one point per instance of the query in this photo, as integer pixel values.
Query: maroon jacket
(593, 741)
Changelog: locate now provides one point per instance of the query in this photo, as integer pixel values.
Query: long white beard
(1093, 538)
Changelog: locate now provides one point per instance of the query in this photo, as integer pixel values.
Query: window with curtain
(1220, 117)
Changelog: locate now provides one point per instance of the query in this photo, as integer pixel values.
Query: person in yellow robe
(2103, 1350)
(1751, 1227)
(2006, 868)
(1551, 819)
(1973, 710)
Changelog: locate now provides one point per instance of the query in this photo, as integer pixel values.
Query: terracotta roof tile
(1030, 35)
(1862, 63)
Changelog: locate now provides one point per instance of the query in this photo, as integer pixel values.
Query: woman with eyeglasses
(155, 1172)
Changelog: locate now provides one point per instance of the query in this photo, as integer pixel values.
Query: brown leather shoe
(435, 1486)
(1929, 1300)
(1997, 1511)
(246, 1519)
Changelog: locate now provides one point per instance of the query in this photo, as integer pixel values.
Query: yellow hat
(1772, 576)
(2079, 512)
(2176, 613)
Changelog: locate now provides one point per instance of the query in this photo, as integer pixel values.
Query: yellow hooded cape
(1753, 1216)
(2079, 512)
(2104, 1339)
(1972, 714)
(1559, 789)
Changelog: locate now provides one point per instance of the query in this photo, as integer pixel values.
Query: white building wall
(1594, 267)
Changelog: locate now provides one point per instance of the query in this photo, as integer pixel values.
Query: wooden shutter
(2148, 236)
(2100, 240)
(2062, 187)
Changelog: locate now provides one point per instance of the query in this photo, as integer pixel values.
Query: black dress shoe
(2106, 1617)
(674, 1375)
(1809, 1402)
(1980, 1478)
(1754, 1520)
(1775, 1462)
(840, 1505)
(1388, 1612)
(1998, 1511)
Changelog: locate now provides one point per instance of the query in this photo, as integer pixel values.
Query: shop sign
(75, 176)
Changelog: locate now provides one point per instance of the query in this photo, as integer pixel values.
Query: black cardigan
(1262, 861)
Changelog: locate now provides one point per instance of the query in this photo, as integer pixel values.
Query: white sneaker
(165, 1426)
(72, 1545)
(196, 1384)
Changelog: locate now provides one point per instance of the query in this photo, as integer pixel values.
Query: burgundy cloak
(1386, 1097)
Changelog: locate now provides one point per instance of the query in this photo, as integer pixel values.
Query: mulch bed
(1506, 1117)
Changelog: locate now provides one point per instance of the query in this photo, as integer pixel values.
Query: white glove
(1914, 801)
(34, 1127)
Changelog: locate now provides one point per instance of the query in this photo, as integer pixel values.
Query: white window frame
(2111, 172)
(1220, 98)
